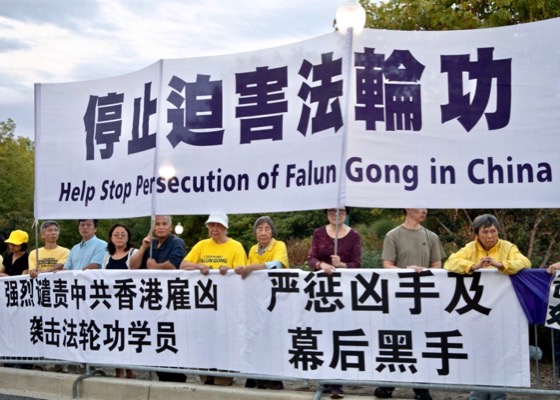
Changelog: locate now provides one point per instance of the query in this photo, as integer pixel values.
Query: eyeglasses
(119, 235)
(333, 211)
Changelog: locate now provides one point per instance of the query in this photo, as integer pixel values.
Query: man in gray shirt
(411, 246)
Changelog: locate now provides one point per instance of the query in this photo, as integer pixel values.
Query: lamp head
(350, 14)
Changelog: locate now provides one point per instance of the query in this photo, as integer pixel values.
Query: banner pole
(347, 76)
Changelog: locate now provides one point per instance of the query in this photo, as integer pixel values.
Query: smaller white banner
(553, 310)
(383, 325)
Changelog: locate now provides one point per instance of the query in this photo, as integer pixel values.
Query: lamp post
(178, 228)
(350, 20)
(350, 14)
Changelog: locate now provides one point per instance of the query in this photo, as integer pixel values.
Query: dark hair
(111, 247)
(24, 246)
(485, 221)
(265, 220)
(95, 221)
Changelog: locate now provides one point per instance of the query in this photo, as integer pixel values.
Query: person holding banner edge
(348, 254)
(552, 268)
(119, 252)
(267, 254)
(411, 246)
(162, 251)
(487, 251)
(51, 257)
(333, 246)
(218, 252)
(88, 254)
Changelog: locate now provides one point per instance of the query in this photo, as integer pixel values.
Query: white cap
(218, 217)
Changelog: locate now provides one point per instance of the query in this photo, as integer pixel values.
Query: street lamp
(167, 171)
(350, 14)
(178, 228)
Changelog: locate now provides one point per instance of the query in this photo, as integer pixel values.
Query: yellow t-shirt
(48, 258)
(214, 255)
(276, 251)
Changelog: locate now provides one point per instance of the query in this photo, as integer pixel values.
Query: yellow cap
(17, 237)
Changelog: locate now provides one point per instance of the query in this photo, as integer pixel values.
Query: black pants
(416, 391)
(171, 377)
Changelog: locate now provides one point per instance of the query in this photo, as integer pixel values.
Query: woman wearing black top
(16, 262)
(119, 248)
(119, 251)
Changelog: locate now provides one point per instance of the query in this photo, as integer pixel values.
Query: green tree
(16, 181)
(456, 14)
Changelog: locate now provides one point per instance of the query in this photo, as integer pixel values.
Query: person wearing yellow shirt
(487, 251)
(268, 253)
(51, 256)
(218, 252)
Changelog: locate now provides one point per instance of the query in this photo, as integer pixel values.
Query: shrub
(298, 250)
(371, 258)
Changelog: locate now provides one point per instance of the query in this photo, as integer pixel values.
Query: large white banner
(385, 325)
(388, 119)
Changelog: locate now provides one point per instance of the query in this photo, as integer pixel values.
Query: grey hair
(265, 220)
(48, 223)
(167, 217)
(485, 221)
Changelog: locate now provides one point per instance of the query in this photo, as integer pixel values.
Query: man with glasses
(89, 253)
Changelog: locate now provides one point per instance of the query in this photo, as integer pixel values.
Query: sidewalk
(57, 386)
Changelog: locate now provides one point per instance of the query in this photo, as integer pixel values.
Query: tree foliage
(16, 180)
(442, 15)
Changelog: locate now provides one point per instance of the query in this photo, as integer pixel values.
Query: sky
(55, 41)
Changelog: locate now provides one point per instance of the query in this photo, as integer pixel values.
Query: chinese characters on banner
(433, 119)
(386, 325)
(553, 309)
